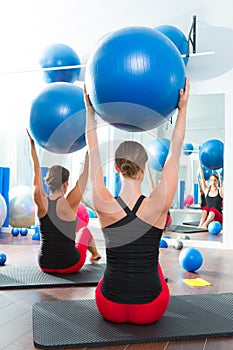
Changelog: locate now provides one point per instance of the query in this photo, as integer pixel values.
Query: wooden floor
(16, 305)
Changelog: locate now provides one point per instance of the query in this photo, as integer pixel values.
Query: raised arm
(203, 182)
(75, 195)
(166, 188)
(151, 182)
(37, 178)
(221, 188)
(99, 192)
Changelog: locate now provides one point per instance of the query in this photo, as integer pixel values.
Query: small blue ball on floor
(163, 244)
(36, 236)
(15, 231)
(169, 237)
(23, 231)
(214, 227)
(190, 259)
(2, 259)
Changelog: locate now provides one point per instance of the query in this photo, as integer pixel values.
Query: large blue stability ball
(157, 153)
(206, 172)
(60, 55)
(133, 78)
(190, 259)
(177, 37)
(211, 154)
(57, 118)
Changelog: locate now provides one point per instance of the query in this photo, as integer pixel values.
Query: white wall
(28, 25)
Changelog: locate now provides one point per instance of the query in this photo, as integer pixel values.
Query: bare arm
(100, 193)
(37, 178)
(221, 189)
(166, 188)
(151, 182)
(75, 195)
(203, 182)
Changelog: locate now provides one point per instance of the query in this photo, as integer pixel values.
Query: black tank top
(132, 250)
(57, 249)
(215, 201)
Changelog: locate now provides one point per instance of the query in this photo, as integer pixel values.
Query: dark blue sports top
(57, 250)
(132, 250)
(215, 201)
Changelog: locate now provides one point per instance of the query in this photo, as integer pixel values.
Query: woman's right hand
(30, 137)
(184, 95)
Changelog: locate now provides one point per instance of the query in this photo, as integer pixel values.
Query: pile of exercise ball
(133, 78)
(57, 116)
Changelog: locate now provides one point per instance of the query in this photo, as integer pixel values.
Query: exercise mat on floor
(21, 277)
(78, 324)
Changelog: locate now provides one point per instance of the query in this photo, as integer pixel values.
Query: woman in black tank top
(212, 210)
(133, 288)
(60, 251)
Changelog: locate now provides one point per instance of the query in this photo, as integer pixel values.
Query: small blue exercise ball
(211, 154)
(190, 259)
(163, 244)
(23, 231)
(214, 227)
(188, 149)
(177, 37)
(60, 55)
(206, 172)
(58, 118)
(15, 231)
(133, 78)
(2, 258)
(157, 153)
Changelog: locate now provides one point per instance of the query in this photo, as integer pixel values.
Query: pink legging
(82, 244)
(217, 214)
(134, 313)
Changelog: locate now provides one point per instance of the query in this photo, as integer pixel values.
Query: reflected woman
(212, 210)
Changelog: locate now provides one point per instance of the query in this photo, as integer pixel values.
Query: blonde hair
(130, 157)
(56, 176)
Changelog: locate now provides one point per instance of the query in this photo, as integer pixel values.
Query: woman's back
(132, 259)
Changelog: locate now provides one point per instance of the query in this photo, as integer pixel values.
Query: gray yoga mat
(77, 323)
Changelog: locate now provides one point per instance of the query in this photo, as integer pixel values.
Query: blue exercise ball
(188, 149)
(157, 153)
(58, 119)
(211, 154)
(133, 78)
(163, 244)
(214, 227)
(60, 55)
(177, 37)
(190, 259)
(2, 258)
(206, 172)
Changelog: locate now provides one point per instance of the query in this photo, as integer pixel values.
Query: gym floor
(16, 305)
